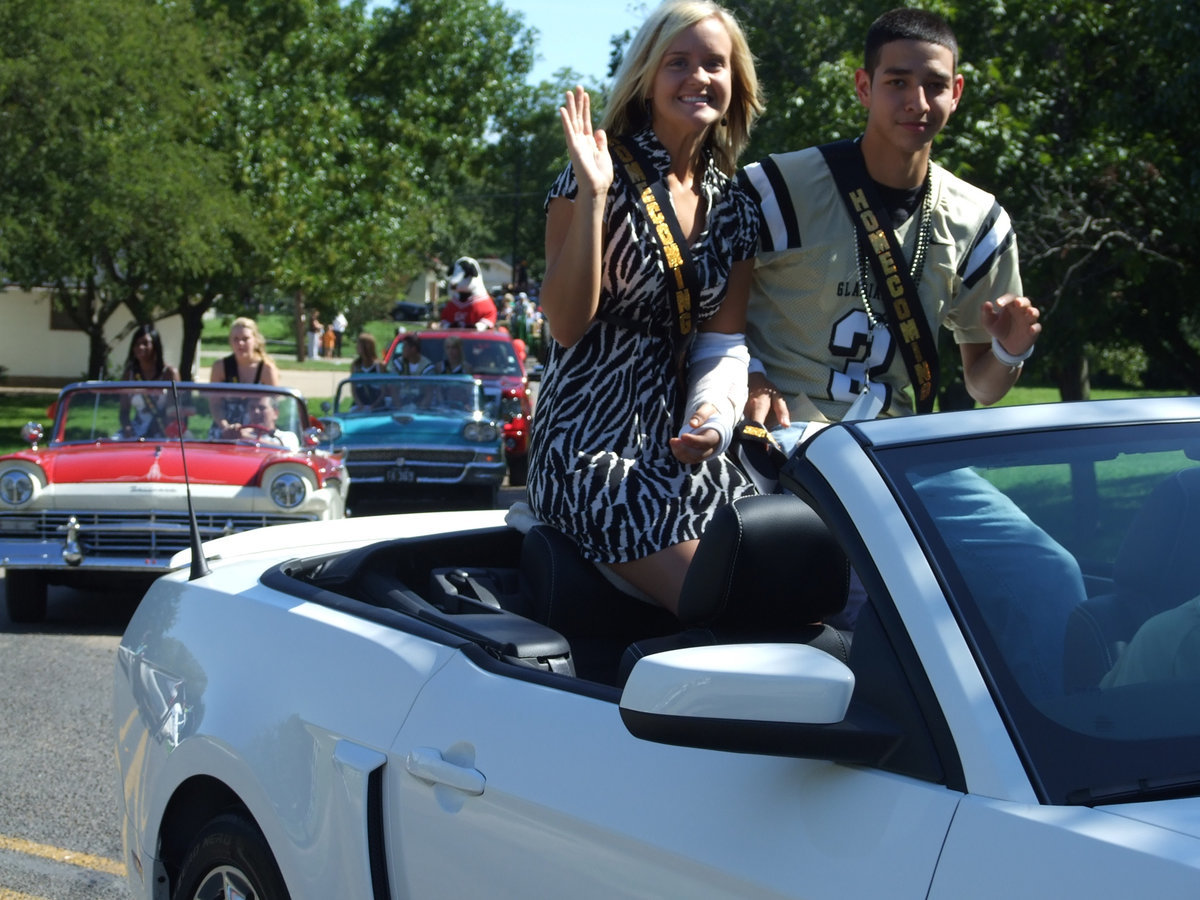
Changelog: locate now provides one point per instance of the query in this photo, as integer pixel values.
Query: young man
(832, 217)
(821, 346)
(410, 360)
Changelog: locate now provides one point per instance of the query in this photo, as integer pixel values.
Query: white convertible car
(959, 659)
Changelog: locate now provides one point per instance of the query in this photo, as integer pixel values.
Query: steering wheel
(257, 432)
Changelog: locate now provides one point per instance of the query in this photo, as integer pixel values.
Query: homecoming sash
(905, 315)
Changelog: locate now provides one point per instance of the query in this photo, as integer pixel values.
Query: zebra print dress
(601, 470)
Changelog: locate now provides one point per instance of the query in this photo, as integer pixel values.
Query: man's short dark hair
(907, 25)
(412, 340)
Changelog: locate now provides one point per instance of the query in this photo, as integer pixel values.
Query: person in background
(315, 330)
(367, 360)
(339, 330)
(261, 425)
(141, 415)
(410, 360)
(249, 363)
(328, 340)
(451, 362)
(145, 360)
(627, 455)
(366, 363)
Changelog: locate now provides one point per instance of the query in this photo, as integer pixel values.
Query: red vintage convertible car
(491, 357)
(105, 496)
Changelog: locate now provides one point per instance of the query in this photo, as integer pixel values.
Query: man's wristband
(1013, 362)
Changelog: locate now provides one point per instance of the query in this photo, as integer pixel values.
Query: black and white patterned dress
(601, 470)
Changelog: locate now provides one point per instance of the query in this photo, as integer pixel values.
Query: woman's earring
(724, 120)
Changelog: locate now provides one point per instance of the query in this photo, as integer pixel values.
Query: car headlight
(16, 487)
(482, 432)
(289, 490)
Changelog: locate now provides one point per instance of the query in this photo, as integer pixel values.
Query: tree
(444, 77)
(106, 190)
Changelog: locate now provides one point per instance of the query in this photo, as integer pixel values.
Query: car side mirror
(771, 699)
(32, 432)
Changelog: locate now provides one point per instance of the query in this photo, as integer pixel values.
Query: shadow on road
(78, 611)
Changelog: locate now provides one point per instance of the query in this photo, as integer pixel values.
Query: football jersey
(806, 321)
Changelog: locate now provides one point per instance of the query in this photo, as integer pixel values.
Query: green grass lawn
(277, 329)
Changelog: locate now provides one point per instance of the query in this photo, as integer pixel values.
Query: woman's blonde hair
(628, 108)
(260, 343)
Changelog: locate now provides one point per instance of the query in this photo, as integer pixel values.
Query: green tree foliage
(441, 74)
(107, 192)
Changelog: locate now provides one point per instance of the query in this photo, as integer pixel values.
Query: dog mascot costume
(470, 305)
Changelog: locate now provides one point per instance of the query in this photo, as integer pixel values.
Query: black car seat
(1157, 568)
(766, 569)
(569, 594)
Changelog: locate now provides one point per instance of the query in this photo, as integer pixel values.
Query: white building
(37, 344)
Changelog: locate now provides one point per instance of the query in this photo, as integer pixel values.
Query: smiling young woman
(618, 429)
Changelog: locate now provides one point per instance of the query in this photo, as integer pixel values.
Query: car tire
(230, 859)
(25, 593)
(518, 470)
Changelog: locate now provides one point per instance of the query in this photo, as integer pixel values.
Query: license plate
(400, 475)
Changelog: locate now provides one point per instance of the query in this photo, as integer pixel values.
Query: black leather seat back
(767, 564)
(569, 594)
(766, 569)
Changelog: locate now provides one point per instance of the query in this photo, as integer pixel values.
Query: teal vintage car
(416, 438)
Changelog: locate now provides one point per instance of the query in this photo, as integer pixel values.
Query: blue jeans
(1023, 583)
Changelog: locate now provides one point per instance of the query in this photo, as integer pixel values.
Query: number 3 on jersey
(867, 351)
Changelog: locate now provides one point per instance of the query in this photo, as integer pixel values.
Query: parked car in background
(406, 437)
(440, 705)
(490, 357)
(102, 495)
(407, 311)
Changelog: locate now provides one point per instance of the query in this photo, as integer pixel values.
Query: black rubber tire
(230, 851)
(25, 593)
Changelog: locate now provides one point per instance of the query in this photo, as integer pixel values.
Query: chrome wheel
(230, 860)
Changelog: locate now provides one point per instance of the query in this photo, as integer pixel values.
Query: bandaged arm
(717, 375)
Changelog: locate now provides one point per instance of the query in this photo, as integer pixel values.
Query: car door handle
(429, 765)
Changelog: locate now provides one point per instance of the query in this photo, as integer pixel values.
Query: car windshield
(361, 395)
(147, 411)
(1070, 559)
(481, 356)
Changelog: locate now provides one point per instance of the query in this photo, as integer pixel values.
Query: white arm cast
(717, 375)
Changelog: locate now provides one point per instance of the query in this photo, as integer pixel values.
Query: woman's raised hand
(588, 149)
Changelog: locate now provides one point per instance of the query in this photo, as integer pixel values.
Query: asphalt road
(60, 833)
(59, 823)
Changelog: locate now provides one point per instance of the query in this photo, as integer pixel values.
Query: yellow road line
(6, 894)
(58, 854)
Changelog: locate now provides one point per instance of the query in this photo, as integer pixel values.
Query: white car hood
(309, 538)
(1181, 816)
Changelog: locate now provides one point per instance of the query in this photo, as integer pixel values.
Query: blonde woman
(249, 363)
(619, 460)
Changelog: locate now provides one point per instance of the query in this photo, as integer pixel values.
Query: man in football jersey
(818, 345)
(818, 327)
